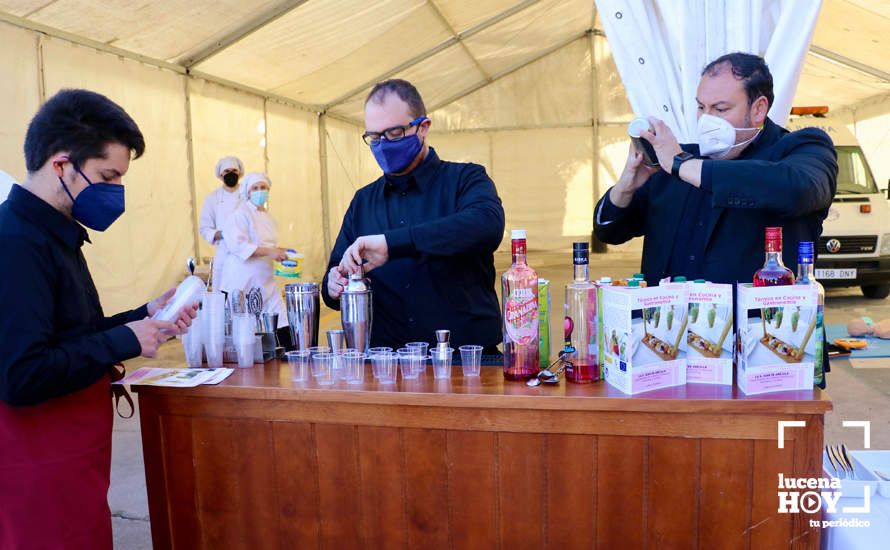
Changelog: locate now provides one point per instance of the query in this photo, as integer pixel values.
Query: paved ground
(858, 393)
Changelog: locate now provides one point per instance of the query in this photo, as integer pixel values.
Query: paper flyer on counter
(177, 378)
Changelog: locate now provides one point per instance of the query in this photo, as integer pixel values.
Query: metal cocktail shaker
(356, 312)
(302, 314)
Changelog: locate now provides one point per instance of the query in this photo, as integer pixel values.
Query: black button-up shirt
(689, 246)
(442, 223)
(54, 338)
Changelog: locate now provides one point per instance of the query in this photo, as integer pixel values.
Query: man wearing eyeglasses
(425, 233)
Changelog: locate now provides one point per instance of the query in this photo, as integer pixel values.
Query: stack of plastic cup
(441, 359)
(213, 323)
(410, 360)
(354, 366)
(471, 360)
(244, 338)
(323, 365)
(299, 364)
(384, 364)
(193, 345)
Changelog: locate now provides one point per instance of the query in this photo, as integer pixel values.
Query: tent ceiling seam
(835, 57)
(457, 37)
(39, 8)
(254, 91)
(83, 41)
(509, 71)
(202, 53)
(451, 41)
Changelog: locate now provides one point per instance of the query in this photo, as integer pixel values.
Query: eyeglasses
(391, 134)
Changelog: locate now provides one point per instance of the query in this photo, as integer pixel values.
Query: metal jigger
(443, 338)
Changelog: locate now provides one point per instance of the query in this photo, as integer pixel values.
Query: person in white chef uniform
(251, 237)
(218, 208)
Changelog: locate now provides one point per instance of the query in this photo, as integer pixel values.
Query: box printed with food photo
(776, 338)
(642, 336)
(709, 334)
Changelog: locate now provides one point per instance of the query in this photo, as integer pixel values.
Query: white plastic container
(188, 292)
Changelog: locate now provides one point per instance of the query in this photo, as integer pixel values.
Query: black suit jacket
(781, 179)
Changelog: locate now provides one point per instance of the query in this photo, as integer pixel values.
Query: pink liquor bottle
(519, 293)
(773, 272)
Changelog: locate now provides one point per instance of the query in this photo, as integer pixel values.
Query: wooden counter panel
(672, 497)
(571, 490)
(239, 472)
(383, 487)
(295, 464)
(473, 485)
(620, 491)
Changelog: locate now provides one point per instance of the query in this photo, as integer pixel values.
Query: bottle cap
(773, 239)
(606, 280)
(679, 279)
(639, 276)
(638, 125)
(700, 281)
(805, 252)
(517, 234)
(580, 253)
(633, 283)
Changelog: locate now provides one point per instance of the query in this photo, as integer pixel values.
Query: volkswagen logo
(833, 246)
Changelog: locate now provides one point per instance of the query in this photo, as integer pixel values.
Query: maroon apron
(55, 463)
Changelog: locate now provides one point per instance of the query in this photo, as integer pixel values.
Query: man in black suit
(703, 211)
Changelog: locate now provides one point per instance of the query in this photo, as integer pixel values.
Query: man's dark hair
(749, 68)
(402, 88)
(80, 122)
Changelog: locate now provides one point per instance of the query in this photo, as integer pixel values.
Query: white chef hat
(251, 179)
(228, 163)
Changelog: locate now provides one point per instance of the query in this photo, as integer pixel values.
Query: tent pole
(41, 75)
(190, 159)
(325, 192)
(596, 245)
(266, 136)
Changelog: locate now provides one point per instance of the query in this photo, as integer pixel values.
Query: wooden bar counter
(262, 462)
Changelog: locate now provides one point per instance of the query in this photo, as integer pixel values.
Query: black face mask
(231, 179)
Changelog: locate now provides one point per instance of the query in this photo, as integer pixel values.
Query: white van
(854, 249)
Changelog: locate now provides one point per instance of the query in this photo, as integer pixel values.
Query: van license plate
(836, 273)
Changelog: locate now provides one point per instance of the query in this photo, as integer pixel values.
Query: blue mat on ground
(876, 346)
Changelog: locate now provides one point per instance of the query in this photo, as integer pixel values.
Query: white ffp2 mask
(716, 136)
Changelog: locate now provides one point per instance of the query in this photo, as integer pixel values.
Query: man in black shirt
(57, 348)
(426, 232)
(703, 211)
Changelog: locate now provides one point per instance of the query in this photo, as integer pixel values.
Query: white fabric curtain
(661, 46)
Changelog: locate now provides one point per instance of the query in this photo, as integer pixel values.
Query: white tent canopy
(527, 88)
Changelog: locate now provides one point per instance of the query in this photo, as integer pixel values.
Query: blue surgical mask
(259, 198)
(97, 206)
(395, 156)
